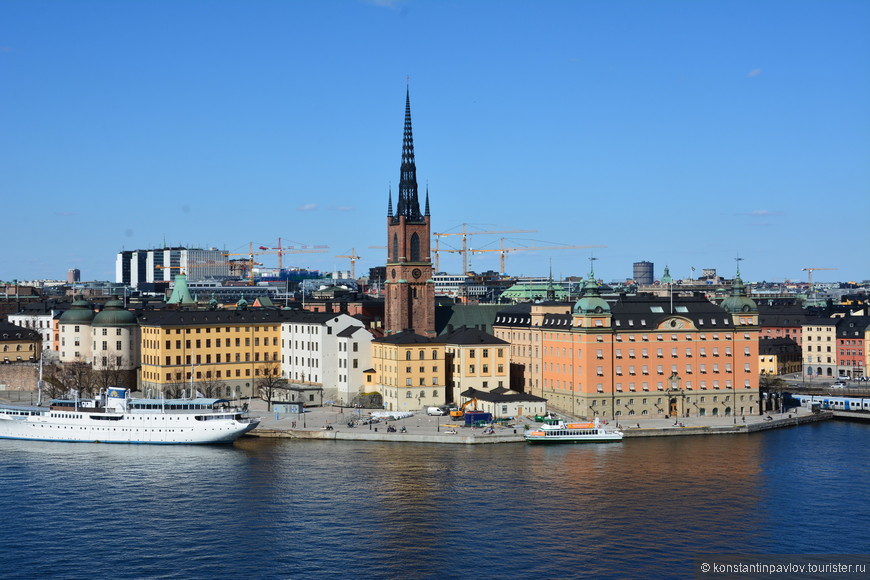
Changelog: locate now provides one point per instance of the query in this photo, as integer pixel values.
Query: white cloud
(754, 72)
(307, 207)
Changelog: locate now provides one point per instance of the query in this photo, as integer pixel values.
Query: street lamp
(674, 381)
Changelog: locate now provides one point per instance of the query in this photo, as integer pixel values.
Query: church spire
(427, 200)
(409, 203)
(390, 202)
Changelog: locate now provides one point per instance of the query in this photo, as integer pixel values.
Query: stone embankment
(423, 429)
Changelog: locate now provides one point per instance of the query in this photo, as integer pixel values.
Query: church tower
(410, 289)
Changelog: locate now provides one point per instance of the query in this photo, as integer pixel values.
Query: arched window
(415, 248)
(395, 248)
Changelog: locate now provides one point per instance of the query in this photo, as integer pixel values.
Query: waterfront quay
(332, 423)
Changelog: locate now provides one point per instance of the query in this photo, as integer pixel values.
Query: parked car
(838, 385)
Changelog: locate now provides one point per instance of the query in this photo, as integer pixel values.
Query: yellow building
(475, 360)
(216, 352)
(408, 370)
(19, 344)
(778, 356)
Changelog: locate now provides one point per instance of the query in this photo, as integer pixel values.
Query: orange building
(639, 356)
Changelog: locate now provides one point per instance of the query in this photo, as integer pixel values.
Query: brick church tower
(410, 289)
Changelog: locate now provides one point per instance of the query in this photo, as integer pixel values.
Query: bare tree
(53, 385)
(112, 374)
(211, 387)
(78, 376)
(268, 381)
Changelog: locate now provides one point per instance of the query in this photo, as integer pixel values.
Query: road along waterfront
(332, 423)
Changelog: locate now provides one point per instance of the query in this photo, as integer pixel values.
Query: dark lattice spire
(427, 200)
(409, 204)
(390, 202)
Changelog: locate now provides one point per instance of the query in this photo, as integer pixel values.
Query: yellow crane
(503, 252)
(464, 251)
(297, 249)
(353, 258)
(810, 271)
(251, 263)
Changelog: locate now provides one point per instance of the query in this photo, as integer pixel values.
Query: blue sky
(680, 132)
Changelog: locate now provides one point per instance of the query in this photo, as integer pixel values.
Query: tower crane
(504, 251)
(810, 271)
(353, 258)
(299, 249)
(251, 263)
(464, 251)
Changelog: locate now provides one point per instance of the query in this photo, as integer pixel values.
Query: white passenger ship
(116, 418)
(561, 432)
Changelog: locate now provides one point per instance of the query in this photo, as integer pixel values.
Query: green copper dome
(114, 314)
(80, 312)
(591, 301)
(738, 301)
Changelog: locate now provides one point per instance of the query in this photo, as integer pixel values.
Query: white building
(135, 267)
(41, 317)
(328, 350)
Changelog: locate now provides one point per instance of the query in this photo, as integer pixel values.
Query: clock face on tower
(416, 273)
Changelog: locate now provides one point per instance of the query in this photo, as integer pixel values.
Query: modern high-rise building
(135, 267)
(73, 275)
(644, 273)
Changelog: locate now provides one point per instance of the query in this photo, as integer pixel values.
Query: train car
(829, 403)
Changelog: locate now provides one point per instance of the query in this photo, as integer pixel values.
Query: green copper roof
(80, 312)
(738, 301)
(180, 292)
(591, 301)
(114, 314)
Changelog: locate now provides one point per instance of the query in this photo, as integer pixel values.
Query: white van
(435, 411)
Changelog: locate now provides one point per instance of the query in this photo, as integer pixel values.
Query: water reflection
(269, 508)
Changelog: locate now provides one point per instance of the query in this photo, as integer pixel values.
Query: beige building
(408, 370)
(475, 360)
(819, 347)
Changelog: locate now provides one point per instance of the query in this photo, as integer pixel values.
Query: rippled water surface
(287, 509)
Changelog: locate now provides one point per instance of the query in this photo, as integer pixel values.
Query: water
(290, 509)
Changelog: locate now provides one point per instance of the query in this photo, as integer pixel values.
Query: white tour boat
(561, 432)
(116, 418)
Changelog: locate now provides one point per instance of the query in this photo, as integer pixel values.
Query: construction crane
(181, 269)
(299, 249)
(504, 251)
(464, 251)
(353, 258)
(810, 271)
(251, 263)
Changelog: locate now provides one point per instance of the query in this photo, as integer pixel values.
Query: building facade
(852, 346)
(19, 345)
(326, 350)
(136, 267)
(475, 360)
(641, 355)
(819, 347)
(779, 356)
(216, 352)
(408, 370)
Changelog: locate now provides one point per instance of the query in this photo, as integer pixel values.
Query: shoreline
(426, 429)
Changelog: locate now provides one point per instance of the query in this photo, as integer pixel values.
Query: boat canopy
(198, 403)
